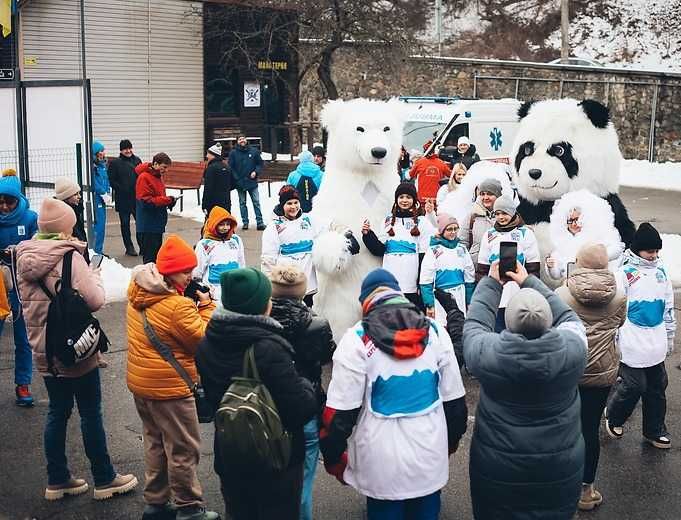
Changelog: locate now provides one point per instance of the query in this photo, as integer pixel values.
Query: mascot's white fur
(364, 143)
(565, 145)
(598, 226)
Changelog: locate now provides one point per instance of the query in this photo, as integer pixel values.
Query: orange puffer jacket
(177, 322)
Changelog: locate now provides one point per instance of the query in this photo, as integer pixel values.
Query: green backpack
(248, 427)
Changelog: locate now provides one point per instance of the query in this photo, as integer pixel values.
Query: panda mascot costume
(565, 145)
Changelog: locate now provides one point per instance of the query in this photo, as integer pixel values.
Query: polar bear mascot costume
(596, 226)
(565, 145)
(364, 143)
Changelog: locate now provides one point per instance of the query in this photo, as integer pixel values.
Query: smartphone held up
(508, 254)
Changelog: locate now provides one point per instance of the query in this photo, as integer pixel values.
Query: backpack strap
(66, 270)
(250, 369)
(166, 353)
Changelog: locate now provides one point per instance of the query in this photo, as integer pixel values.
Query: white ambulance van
(490, 124)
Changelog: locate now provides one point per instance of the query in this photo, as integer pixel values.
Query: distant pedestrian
(246, 164)
(645, 340)
(396, 406)
(102, 194)
(591, 291)
(306, 179)
(319, 154)
(163, 399)
(123, 179)
(428, 171)
(313, 344)
(404, 164)
(465, 153)
(243, 322)
(18, 223)
(217, 181)
(68, 191)
(527, 450)
(152, 205)
(41, 260)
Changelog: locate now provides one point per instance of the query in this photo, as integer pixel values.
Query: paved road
(637, 481)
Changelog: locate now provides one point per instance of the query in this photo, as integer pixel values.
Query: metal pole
(438, 23)
(475, 86)
(87, 128)
(653, 117)
(564, 30)
(517, 87)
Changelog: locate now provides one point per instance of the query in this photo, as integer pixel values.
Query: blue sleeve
(232, 163)
(293, 178)
(101, 180)
(427, 294)
(32, 224)
(258, 163)
(470, 287)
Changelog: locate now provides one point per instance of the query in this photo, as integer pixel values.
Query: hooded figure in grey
(527, 451)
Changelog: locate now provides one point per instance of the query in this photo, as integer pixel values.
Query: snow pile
(115, 278)
(643, 174)
(671, 256)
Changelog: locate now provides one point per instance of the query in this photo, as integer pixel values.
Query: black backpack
(73, 333)
(307, 189)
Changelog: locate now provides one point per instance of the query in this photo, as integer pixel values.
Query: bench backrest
(184, 174)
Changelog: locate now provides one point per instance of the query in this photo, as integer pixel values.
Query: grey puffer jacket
(602, 307)
(527, 451)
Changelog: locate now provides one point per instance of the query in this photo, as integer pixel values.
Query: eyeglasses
(452, 229)
(572, 221)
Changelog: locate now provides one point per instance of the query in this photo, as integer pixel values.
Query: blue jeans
(422, 508)
(311, 433)
(23, 360)
(88, 394)
(100, 224)
(255, 199)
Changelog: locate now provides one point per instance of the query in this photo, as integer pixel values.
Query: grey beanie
(490, 185)
(506, 205)
(528, 313)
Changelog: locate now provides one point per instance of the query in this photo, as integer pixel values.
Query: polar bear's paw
(330, 253)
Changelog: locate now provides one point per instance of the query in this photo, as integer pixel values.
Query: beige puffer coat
(593, 295)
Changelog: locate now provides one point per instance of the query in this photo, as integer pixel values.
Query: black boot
(165, 512)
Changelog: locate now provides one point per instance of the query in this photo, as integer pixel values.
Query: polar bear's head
(564, 145)
(365, 135)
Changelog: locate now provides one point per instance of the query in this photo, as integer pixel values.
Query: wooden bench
(185, 176)
(275, 172)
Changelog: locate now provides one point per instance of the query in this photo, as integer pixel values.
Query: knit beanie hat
(65, 188)
(645, 239)
(97, 147)
(286, 193)
(125, 144)
(246, 291)
(288, 281)
(490, 185)
(175, 256)
(305, 157)
(406, 188)
(10, 184)
(216, 150)
(375, 279)
(319, 150)
(56, 216)
(504, 204)
(444, 220)
(463, 140)
(528, 313)
(592, 256)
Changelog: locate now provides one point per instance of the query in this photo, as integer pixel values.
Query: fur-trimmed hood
(597, 219)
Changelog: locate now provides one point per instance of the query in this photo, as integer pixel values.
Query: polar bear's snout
(379, 152)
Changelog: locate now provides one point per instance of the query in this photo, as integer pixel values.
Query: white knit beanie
(65, 188)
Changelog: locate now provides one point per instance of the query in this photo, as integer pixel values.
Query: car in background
(573, 60)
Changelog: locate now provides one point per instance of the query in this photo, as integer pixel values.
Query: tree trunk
(324, 73)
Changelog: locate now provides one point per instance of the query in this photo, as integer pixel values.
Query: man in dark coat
(246, 165)
(465, 153)
(123, 178)
(217, 181)
(243, 321)
(527, 451)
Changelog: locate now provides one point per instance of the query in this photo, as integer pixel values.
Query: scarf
(515, 222)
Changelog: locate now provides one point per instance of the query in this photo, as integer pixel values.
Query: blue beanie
(10, 184)
(377, 278)
(97, 147)
(305, 157)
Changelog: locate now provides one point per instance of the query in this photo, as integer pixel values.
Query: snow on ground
(115, 278)
(643, 174)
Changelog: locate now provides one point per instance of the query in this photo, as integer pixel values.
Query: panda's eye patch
(360, 129)
(386, 129)
(557, 150)
(528, 148)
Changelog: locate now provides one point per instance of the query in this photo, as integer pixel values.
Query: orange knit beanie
(175, 256)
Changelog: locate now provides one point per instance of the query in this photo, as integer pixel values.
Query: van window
(454, 134)
(418, 133)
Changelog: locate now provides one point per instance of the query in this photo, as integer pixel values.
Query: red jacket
(150, 187)
(429, 171)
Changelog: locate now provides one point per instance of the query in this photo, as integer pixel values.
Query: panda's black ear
(598, 113)
(525, 108)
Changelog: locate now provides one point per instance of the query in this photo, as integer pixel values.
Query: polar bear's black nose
(534, 173)
(379, 152)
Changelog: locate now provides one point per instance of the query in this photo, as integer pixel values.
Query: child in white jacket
(219, 250)
(645, 340)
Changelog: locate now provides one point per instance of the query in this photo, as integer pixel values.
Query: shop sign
(30, 60)
(272, 65)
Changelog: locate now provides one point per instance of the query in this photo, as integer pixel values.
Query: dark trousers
(415, 298)
(88, 395)
(500, 322)
(649, 385)
(124, 217)
(422, 508)
(244, 497)
(593, 401)
(149, 246)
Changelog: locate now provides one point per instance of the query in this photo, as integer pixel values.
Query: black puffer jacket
(311, 338)
(123, 179)
(468, 159)
(217, 184)
(220, 358)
